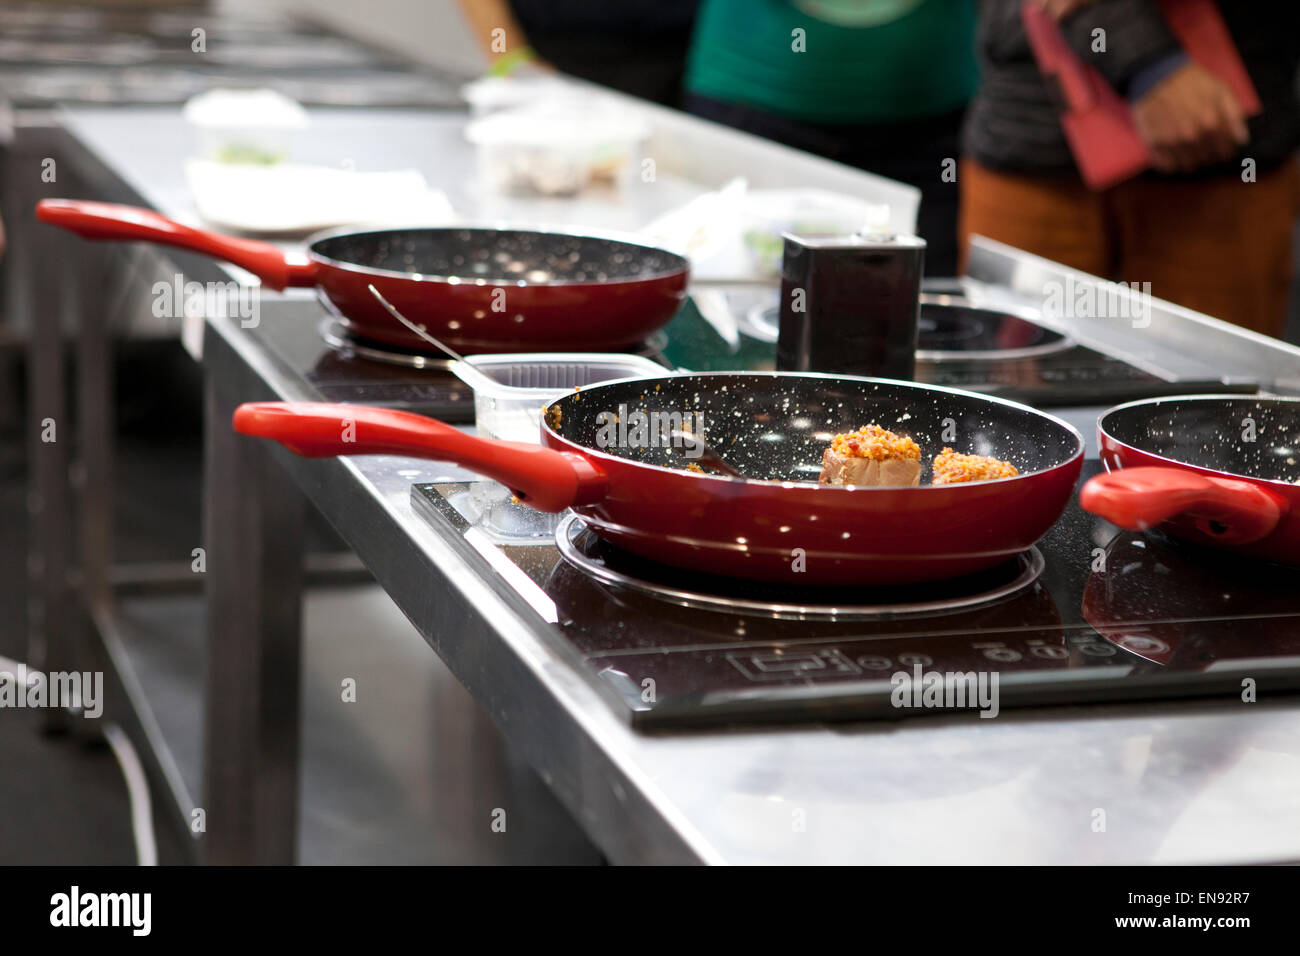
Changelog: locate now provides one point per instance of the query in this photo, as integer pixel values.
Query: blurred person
(1205, 233)
(877, 84)
(633, 46)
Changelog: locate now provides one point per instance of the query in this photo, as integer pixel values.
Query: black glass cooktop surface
(1113, 615)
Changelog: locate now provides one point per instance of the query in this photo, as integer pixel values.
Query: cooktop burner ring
(966, 323)
(337, 337)
(341, 340)
(571, 530)
(963, 313)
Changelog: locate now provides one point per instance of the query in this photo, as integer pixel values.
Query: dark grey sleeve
(1001, 34)
(1136, 36)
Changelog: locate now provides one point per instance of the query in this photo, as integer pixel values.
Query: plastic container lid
(556, 126)
(245, 109)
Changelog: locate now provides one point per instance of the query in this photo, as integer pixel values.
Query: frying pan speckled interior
(775, 427)
(1227, 434)
(497, 255)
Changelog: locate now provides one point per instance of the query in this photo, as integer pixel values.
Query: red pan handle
(1229, 510)
(101, 220)
(546, 479)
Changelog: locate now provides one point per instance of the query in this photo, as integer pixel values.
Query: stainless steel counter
(1197, 782)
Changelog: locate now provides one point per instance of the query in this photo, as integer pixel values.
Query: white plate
(292, 199)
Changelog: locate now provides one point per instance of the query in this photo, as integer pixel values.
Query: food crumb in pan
(553, 415)
(951, 467)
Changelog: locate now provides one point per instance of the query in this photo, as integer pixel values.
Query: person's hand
(1190, 119)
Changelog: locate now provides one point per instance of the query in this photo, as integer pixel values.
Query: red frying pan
(477, 289)
(776, 524)
(1220, 470)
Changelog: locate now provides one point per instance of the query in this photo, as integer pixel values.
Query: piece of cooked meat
(951, 467)
(871, 457)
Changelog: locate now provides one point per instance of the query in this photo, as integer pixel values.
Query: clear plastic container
(510, 391)
(246, 126)
(555, 149)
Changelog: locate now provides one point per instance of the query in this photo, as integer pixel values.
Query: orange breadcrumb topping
(876, 443)
(951, 467)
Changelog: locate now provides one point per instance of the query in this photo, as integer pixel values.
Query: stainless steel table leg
(253, 539)
(51, 616)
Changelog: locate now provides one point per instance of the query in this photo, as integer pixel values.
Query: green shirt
(856, 61)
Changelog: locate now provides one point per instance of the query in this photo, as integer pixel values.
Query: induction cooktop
(1093, 613)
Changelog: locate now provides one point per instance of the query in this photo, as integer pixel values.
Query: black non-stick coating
(1214, 432)
(499, 255)
(775, 427)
